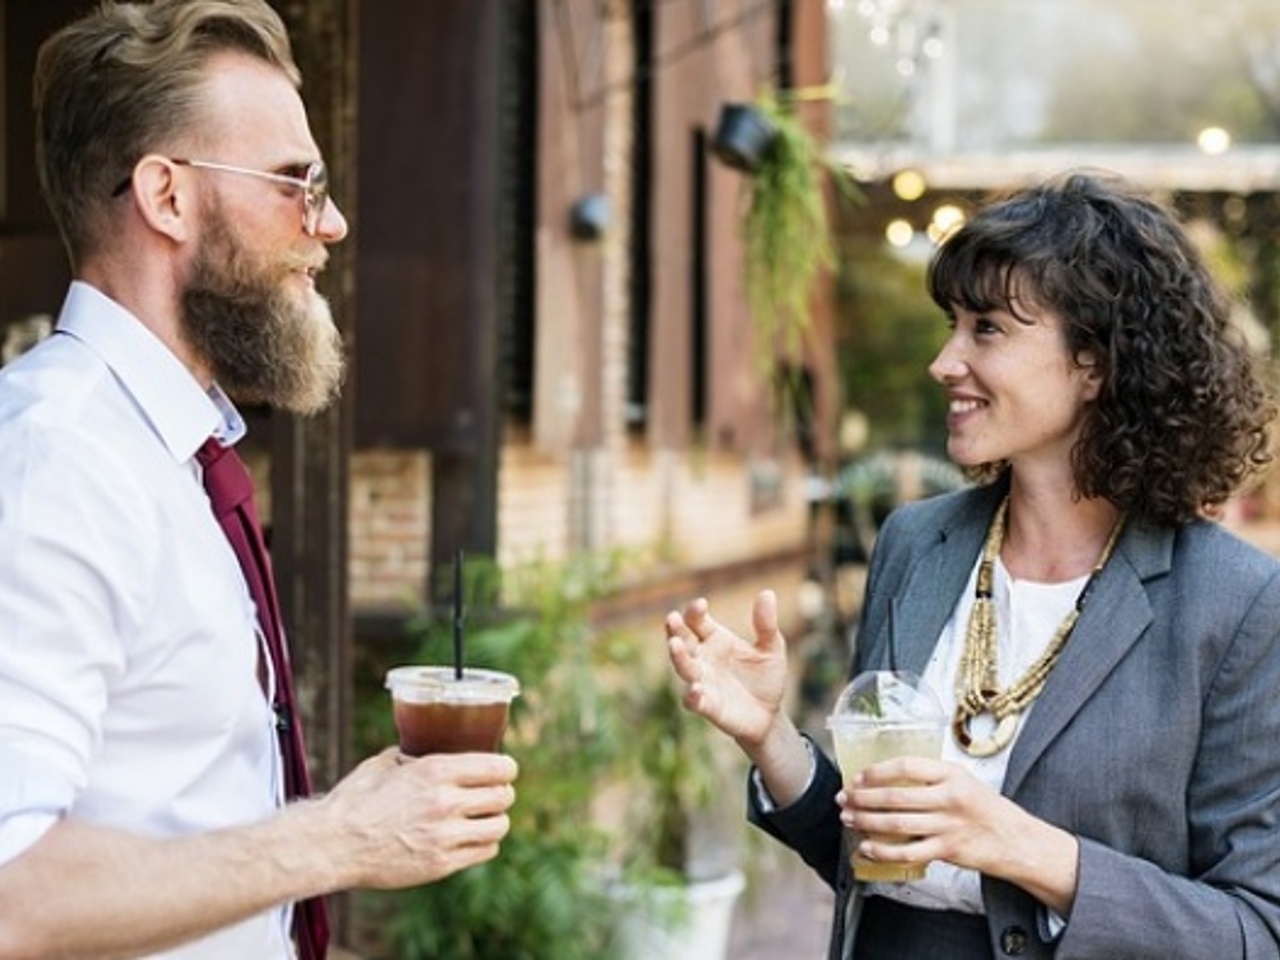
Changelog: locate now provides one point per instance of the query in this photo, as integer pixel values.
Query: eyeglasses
(314, 185)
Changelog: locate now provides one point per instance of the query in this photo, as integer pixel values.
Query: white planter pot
(691, 922)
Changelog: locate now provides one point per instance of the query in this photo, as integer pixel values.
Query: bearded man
(149, 766)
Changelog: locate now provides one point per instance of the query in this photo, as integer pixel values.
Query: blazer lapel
(928, 594)
(1115, 616)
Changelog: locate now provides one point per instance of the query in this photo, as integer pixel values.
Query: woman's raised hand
(735, 683)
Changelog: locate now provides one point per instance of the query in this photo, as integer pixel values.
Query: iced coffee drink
(438, 712)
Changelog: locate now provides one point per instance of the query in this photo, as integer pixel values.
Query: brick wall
(390, 528)
(691, 512)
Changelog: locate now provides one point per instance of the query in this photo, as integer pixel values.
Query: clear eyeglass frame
(314, 185)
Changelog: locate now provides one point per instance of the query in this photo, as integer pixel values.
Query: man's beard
(262, 343)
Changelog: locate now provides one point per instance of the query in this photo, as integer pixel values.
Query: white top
(128, 653)
(1028, 614)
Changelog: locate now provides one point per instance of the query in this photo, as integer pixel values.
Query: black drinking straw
(457, 615)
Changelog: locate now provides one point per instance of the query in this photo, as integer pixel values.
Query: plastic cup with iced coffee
(438, 711)
(879, 716)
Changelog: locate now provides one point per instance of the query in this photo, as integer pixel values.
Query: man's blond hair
(125, 80)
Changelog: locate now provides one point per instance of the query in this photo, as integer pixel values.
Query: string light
(899, 233)
(909, 26)
(1214, 140)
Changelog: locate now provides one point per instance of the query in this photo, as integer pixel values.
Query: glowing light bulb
(947, 217)
(908, 185)
(899, 233)
(1214, 140)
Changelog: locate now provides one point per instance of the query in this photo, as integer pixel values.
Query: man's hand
(416, 820)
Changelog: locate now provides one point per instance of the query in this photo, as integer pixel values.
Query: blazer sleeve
(810, 825)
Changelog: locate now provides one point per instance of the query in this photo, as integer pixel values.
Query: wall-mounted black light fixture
(744, 137)
(590, 217)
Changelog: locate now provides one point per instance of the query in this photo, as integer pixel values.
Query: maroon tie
(230, 490)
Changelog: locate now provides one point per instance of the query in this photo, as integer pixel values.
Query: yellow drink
(860, 744)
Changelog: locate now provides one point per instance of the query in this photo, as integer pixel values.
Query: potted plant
(543, 896)
(682, 874)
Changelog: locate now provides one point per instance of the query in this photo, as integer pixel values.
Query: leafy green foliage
(786, 234)
(676, 775)
(543, 897)
(889, 333)
(535, 901)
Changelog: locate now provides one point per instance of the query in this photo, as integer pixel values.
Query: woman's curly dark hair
(1181, 419)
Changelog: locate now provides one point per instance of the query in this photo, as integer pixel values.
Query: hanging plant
(786, 234)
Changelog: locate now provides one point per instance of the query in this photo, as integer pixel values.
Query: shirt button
(1013, 941)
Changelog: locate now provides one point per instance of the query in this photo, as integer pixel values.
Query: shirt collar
(178, 408)
(232, 428)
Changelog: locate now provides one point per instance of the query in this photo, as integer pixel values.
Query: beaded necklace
(977, 679)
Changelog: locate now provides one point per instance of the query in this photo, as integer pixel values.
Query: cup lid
(425, 684)
(888, 697)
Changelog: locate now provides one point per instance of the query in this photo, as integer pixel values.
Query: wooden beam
(309, 457)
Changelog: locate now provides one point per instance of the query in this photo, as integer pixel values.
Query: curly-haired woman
(1110, 785)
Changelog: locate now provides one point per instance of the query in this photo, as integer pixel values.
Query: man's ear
(164, 200)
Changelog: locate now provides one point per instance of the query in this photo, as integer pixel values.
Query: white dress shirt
(128, 643)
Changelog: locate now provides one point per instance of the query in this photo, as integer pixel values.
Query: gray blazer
(1156, 740)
